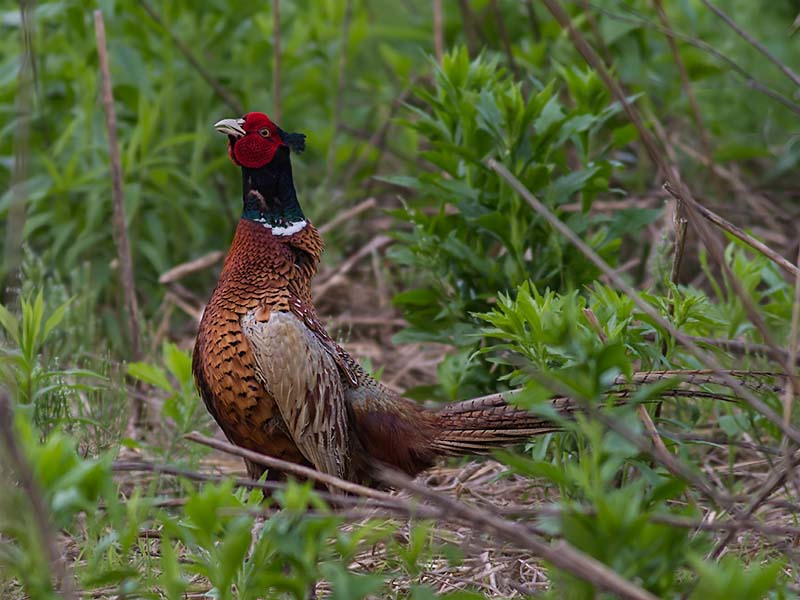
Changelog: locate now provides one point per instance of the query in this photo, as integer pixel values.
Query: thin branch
(681, 223)
(740, 234)
(276, 60)
(15, 219)
(347, 215)
(776, 480)
(390, 502)
(376, 243)
(470, 28)
(792, 390)
(120, 226)
(438, 30)
(717, 251)
(501, 28)
(753, 42)
(686, 83)
(198, 264)
(756, 201)
(741, 347)
(560, 554)
(119, 221)
(341, 69)
(601, 43)
(533, 20)
(750, 80)
(41, 514)
(287, 467)
(226, 96)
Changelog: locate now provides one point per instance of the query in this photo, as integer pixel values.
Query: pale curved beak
(230, 127)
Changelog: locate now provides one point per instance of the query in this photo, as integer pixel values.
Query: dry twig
(198, 264)
(15, 217)
(288, 467)
(686, 83)
(438, 30)
(120, 228)
(345, 215)
(276, 60)
(740, 234)
(753, 42)
(749, 78)
(376, 243)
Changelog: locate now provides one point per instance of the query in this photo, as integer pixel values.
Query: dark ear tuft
(295, 141)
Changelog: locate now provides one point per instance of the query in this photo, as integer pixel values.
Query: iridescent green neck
(269, 197)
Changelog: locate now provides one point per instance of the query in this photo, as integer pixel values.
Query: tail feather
(477, 426)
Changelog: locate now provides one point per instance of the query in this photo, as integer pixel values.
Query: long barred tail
(477, 426)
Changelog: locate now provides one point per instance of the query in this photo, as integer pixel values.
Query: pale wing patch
(303, 379)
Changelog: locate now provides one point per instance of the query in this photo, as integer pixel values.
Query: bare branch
(438, 30)
(346, 215)
(501, 28)
(753, 42)
(686, 83)
(276, 60)
(15, 219)
(738, 233)
(750, 80)
(287, 467)
(198, 264)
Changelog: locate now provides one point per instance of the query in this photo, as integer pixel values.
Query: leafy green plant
(38, 385)
(480, 238)
(181, 407)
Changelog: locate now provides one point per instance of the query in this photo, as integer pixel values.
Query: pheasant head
(262, 149)
(253, 140)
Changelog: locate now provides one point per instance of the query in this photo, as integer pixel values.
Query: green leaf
(55, 319)
(9, 323)
(150, 374)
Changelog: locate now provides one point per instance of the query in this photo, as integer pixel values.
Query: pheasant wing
(299, 371)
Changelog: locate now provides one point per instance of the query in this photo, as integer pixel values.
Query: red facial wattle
(253, 140)
(254, 151)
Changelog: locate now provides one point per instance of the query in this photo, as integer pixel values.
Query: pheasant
(271, 375)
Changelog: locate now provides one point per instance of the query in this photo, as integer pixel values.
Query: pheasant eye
(264, 132)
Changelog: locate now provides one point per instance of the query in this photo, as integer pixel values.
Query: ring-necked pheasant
(271, 375)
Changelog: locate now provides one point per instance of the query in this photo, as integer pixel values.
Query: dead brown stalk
(120, 227)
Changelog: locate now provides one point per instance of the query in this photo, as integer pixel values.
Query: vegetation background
(438, 274)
